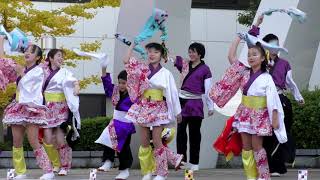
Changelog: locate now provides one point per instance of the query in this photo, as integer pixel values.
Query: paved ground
(211, 174)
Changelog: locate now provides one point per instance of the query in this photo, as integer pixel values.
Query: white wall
(302, 42)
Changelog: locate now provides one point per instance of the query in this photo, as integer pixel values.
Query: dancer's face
(255, 57)
(57, 60)
(193, 55)
(122, 85)
(154, 56)
(30, 55)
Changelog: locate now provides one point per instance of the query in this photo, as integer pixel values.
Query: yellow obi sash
(254, 102)
(54, 97)
(17, 95)
(49, 97)
(153, 94)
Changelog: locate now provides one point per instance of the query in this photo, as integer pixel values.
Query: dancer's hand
(301, 102)
(2, 37)
(76, 90)
(172, 58)
(179, 118)
(234, 130)
(19, 70)
(275, 120)
(259, 20)
(103, 71)
(210, 112)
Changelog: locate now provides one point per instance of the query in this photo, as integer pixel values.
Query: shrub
(91, 129)
(5, 146)
(306, 125)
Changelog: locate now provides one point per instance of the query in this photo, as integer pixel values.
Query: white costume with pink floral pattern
(145, 112)
(27, 107)
(250, 120)
(58, 111)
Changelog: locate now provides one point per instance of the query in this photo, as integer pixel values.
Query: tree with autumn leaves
(58, 22)
(246, 17)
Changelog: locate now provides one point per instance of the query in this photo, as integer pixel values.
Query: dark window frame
(221, 4)
(202, 4)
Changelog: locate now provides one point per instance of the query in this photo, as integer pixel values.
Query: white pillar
(315, 78)
(301, 40)
(278, 24)
(138, 11)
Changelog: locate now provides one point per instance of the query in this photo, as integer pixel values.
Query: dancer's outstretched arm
(129, 54)
(232, 55)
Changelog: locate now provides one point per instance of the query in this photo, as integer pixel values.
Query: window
(63, 1)
(221, 4)
(92, 105)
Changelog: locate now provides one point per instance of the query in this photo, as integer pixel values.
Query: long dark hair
(264, 64)
(36, 50)
(52, 53)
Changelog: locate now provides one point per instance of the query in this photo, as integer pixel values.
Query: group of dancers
(146, 96)
(45, 95)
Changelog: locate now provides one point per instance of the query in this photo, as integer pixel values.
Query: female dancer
(153, 89)
(259, 111)
(281, 72)
(58, 98)
(26, 113)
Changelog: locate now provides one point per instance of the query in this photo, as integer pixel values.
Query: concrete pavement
(209, 174)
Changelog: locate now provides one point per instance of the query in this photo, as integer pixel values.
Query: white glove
(103, 57)
(242, 36)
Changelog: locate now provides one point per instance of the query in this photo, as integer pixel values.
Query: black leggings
(277, 161)
(125, 156)
(194, 124)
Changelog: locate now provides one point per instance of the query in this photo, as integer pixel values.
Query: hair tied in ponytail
(165, 52)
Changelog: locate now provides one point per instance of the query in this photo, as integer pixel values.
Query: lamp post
(48, 42)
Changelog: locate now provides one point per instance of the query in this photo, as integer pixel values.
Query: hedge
(306, 125)
(91, 129)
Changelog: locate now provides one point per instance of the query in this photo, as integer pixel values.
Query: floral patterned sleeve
(137, 80)
(7, 72)
(225, 89)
